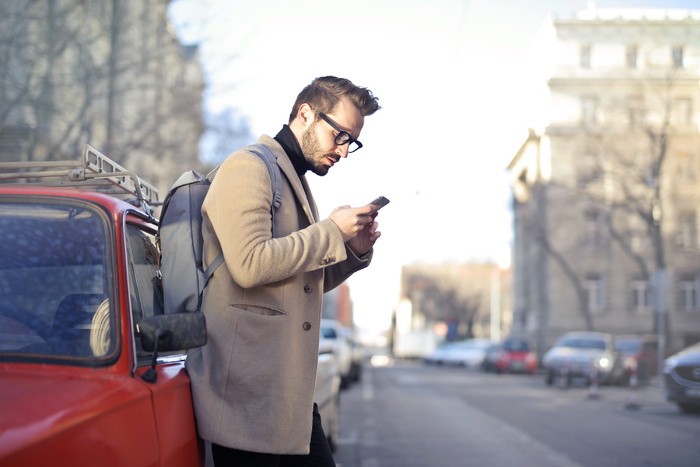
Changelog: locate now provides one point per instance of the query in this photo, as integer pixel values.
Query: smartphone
(381, 201)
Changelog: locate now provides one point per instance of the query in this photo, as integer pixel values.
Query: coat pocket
(258, 309)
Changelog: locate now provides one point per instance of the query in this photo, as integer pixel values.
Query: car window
(583, 343)
(516, 346)
(144, 279)
(650, 347)
(627, 346)
(54, 277)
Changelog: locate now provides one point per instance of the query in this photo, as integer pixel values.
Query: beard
(314, 155)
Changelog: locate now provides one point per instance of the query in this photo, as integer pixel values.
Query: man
(253, 383)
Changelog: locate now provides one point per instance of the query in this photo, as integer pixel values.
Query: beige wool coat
(253, 382)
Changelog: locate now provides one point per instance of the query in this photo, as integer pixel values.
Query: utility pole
(495, 304)
(659, 286)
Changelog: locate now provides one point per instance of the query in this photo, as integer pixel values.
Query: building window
(631, 56)
(636, 111)
(595, 228)
(595, 291)
(686, 166)
(682, 112)
(589, 170)
(677, 55)
(641, 295)
(585, 56)
(638, 233)
(687, 231)
(589, 110)
(689, 294)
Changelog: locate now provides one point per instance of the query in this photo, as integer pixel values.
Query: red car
(512, 355)
(80, 383)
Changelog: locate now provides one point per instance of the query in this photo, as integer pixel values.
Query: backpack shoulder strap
(275, 175)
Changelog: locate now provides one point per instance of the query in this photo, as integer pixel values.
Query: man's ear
(305, 115)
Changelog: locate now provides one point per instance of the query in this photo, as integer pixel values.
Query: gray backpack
(180, 235)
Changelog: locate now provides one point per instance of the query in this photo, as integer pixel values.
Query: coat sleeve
(340, 272)
(237, 209)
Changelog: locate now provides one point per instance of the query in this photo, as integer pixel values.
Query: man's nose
(342, 150)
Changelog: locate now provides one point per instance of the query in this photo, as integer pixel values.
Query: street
(407, 414)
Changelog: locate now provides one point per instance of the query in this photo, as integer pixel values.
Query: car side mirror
(177, 331)
(164, 333)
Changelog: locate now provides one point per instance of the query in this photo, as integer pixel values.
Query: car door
(178, 443)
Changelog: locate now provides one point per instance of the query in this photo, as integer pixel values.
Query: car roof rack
(95, 172)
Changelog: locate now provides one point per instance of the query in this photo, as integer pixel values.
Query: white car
(469, 353)
(577, 355)
(327, 392)
(336, 333)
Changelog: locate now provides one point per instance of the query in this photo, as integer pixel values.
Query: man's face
(318, 139)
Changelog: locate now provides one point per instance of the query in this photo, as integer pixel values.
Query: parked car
(469, 353)
(79, 315)
(91, 370)
(639, 354)
(580, 354)
(512, 355)
(337, 334)
(489, 365)
(327, 391)
(682, 379)
(357, 360)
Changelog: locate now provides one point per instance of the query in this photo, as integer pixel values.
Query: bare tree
(629, 178)
(110, 73)
(454, 294)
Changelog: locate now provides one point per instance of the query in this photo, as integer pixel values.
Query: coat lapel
(299, 186)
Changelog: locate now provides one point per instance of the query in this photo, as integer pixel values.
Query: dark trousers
(319, 456)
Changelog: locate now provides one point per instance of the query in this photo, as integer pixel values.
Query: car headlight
(604, 363)
(669, 365)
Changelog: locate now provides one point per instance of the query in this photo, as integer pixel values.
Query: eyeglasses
(343, 137)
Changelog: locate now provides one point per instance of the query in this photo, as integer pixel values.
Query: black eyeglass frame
(343, 137)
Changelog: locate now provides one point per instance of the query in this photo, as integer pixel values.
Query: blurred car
(640, 354)
(327, 391)
(491, 358)
(512, 355)
(469, 353)
(337, 335)
(682, 379)
(580, 354)
(358, 357)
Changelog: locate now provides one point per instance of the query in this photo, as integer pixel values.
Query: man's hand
(357, 226)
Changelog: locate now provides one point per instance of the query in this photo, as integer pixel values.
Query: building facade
(109, 73)
(606, 187)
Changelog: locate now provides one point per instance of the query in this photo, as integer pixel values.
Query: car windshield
(54, 276)
(582, 343)
(627, 346)
(516, 346)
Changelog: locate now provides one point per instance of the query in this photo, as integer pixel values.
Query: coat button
(307, 289)
(307, 326)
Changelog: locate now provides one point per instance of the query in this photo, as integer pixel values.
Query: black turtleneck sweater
(291, 146)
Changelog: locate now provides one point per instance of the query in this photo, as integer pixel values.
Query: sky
(448, 75)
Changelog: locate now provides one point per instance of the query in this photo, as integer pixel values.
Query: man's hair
(324, 93)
